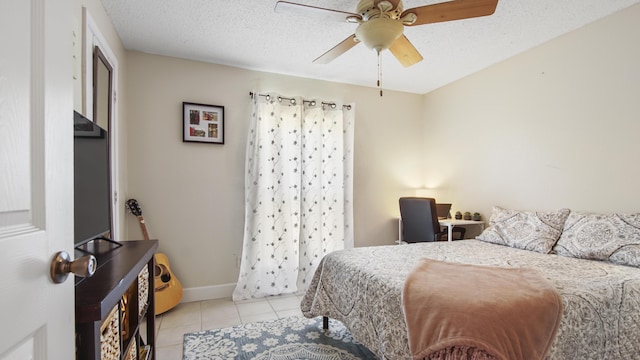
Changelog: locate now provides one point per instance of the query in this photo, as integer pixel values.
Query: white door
(36, 178)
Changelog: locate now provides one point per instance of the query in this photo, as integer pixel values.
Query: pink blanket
(467, 312)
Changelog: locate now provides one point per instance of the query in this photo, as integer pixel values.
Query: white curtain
(298, 192)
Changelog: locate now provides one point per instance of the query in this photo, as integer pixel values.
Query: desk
(449, 223)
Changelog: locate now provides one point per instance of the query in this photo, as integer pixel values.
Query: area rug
(288, 338)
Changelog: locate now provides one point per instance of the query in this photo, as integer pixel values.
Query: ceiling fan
(381, 23)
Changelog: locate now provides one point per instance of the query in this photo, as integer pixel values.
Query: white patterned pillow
(528, 230)
(609, 237)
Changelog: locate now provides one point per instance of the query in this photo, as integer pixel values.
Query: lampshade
(379, 33)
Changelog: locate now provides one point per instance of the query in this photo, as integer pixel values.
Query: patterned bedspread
(362, 288)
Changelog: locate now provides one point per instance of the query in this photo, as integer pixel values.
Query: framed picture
(202, 123)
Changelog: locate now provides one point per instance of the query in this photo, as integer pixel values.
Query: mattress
(362, 288)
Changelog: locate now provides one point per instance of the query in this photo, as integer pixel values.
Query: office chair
(420, 221)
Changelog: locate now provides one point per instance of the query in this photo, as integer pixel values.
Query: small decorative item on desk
(467, 215)
(458, 215)
(476, 216)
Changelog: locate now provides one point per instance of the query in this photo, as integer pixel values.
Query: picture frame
(202, 123)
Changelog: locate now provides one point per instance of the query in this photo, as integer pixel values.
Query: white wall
(192, 194)
(554, 127)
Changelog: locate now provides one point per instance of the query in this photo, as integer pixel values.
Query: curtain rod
(293, 101)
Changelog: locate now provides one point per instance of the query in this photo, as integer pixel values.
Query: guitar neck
(143, 227)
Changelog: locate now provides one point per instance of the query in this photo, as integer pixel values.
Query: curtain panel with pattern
(298, 192)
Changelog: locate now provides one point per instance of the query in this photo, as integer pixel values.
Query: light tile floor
(213, 314)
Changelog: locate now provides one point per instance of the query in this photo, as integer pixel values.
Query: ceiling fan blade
(405, 52)
(337, 50)
(452, 10)
(313, 11)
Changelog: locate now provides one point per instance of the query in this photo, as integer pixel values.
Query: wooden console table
(113, 303)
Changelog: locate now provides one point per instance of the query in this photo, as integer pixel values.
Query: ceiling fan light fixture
(409, 19)
(353, 19)
(379, 33)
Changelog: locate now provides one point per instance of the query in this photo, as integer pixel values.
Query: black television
(92, 191)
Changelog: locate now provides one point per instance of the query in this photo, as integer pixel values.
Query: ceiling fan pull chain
(379, 73)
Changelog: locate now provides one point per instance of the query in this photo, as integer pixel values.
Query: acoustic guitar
(168, 289)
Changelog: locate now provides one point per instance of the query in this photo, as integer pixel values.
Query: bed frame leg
(325, 323)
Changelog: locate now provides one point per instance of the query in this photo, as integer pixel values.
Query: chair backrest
(419, 219)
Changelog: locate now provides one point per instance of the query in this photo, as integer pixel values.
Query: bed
(362, 288)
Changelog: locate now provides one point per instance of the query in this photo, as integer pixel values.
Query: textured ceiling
(249, 34)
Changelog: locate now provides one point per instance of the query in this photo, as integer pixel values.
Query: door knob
(61, 266)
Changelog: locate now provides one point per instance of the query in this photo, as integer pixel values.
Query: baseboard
(207, 292)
